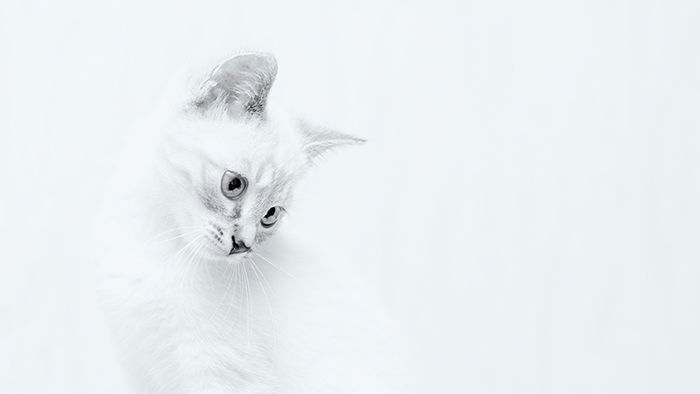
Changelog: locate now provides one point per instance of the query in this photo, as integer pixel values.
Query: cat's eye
(233, 185)
(271, 217)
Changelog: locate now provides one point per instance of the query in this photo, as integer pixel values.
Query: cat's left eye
(233, 185)
(271, 217)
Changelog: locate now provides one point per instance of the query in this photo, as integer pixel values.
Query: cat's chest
(196, 314)
(168, 329)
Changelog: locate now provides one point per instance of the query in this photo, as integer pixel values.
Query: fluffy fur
(190, 318)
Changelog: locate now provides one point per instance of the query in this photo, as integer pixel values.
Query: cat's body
(199, 299)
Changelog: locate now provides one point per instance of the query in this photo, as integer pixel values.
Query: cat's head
(232, 164)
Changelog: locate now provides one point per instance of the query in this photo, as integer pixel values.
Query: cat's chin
(218, 256)
(233, 259)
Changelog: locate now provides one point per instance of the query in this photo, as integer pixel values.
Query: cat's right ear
(238, 87)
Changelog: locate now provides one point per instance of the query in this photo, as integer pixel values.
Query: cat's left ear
(238, 87)
(318, 140)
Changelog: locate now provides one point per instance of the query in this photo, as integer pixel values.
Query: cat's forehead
(260, 149)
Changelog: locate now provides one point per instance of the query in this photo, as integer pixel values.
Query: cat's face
(232, 166)
(232, 182)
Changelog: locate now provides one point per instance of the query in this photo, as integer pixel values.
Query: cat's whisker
(201, 253)
(273, 265)
(239, 288)
(199, 257)
(260, 278)
(193, 264)
(191, 256)
(229, 296)
(236, 293)
(183, 252)
(262, 275)
(206, 268)
(187, 245)
(184, 234)
(248, 300)
(177, 258)
(171, 230)
(187, 266)
(228, 288)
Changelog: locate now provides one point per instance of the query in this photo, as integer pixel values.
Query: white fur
(187, 318)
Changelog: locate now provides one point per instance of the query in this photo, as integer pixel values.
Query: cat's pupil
(270, 212)
(234, 184)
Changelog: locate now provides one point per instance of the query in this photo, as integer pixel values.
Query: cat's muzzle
(238, 246)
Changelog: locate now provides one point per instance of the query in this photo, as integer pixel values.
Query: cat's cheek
(265, 233)
(262, 236)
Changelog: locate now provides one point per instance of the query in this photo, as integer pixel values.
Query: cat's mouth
(237, 251)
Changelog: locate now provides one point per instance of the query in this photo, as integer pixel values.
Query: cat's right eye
(233, 185)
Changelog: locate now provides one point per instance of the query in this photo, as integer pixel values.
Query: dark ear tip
(254, 60)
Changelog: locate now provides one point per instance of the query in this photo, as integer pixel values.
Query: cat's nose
(238, 246)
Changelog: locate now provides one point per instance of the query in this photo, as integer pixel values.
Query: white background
(527, 200)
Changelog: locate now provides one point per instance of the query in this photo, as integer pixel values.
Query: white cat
(200, 299)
